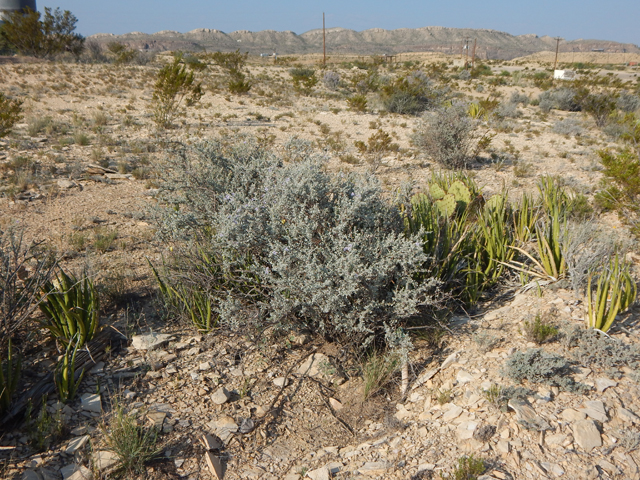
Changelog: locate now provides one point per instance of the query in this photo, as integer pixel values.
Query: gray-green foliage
(449, 136)
(10, 114)
(560, 99)
(302, 246)
(537, 366)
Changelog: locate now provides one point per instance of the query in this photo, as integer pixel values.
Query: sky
(616, 20)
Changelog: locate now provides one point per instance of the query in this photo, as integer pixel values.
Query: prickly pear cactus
(436, 191)
(460, 191)
(446, 205)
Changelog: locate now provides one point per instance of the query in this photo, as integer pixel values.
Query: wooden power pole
(555, 64)
(324, 43)
(473, 54)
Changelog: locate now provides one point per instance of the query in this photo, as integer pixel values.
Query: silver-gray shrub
(568, 126)
(560, 98)
(331, 80)
(628, 102)
(448, 135)
(519, 98)
(325, 251)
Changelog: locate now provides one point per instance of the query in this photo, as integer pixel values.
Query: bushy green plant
(300, 245)
(377, 370)
(449, 136)
(65, 374)
(540, 330)
(71, 308)
(615, 292)
(174, 85)
(378, 145)
(600, 106)
(10, 368)
(54, 34)
(233, 63)
(563, 98)
(121, 53)
(468, 468)
(304, 79)
(10, 114)
(357, 103)
(412, 94)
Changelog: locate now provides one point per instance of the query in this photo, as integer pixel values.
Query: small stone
(81, 430)
(215, 466)
(280, 381)
(374, 468)
(595, 409)
(335, 404)
(527, 416)
(210, 442)
(453, 413)
(192, 351)
(334, 467)
(150, 341)
(66, 184)
(91, 402)
(466, 430)
(224, 427)
(603, 383)
(205, 366)
(171, 369)
(503, 447)
(220, 396)
(571, 415)
(321, 473)
(464, 377)
(157, 419)
(316, 364)
(425, 377)
(76, 444)
(586, 435)
(627, 416)
(104, 460)
(31, 475)
(557, 439)
(246, 425)
(484, 433)
(450, 360)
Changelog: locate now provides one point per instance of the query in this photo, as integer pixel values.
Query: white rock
(450, 360)
(220, 396)
(595, 409)
(321, 473)
(465, 430)
(91, 402)
(316, 364)
(453, 413)
(204, 366)
(603, 383)
(215, 466)
(586, 435)
(224, 427)
(76, 444)
(627, 416)
(280, 381)
(104, 460)
(571, 415)
(464, 377)
(150, 341)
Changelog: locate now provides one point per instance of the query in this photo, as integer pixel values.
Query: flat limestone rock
(453, 413)
(220, 396)
(595, 409)
(91, 402)
(150, 341)
(321, 473)
(76, 444)
(587, 435)
(215, 466)
(603, 383)
(224, 427)
(104, 460)
(527, 416)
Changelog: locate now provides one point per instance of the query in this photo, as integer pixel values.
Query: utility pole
(324, 43)
(466, 52)
(555, 64)
(473, 54)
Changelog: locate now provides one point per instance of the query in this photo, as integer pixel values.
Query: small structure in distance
(564, 74)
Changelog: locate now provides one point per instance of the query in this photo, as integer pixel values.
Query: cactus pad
(460, 191)
(436, 191)
(447, 205)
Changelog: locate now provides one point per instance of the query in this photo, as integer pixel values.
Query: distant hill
(491, 44)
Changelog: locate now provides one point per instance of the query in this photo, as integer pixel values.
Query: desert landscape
(486, 205)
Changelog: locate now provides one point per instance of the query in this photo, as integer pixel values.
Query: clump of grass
(81, 139)
(104, 240)
(133, 444)
(540, 330)
(469, 468)
(377, 371)
(444, 396)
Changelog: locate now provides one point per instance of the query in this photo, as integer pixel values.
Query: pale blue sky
(617, 20)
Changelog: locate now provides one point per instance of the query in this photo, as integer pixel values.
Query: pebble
(220, 396)
(586, 435)
(150, 341)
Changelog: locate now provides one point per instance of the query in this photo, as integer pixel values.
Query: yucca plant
(524, 219)
(65, 375)
(614, 293)
(9, 376)
(71, 308)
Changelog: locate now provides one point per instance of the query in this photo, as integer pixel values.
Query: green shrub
(377, 370)
(71, 308)
(304, 79)
(469, 468)
(233, 63)
(357, 103)
(600, 106)
(539, 330)
(174, 85)
(412, 94)
(10, 114)
(121, 53)
(52, 35)
(304, 247)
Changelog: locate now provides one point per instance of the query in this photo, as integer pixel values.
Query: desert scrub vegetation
(233, 64)
(412, 94)
(304, 79)
(339, 263)
(10, 114)
(175, 85)
(450, 136)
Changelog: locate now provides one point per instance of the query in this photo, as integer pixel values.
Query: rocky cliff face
(490, 43)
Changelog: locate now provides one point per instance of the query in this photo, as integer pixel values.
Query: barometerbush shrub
(295, 245)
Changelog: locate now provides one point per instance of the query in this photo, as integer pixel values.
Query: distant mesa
(490, 44)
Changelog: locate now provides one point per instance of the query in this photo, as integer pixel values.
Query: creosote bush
(10, 114)
(291, 244)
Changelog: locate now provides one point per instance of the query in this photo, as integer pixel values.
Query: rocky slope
(491, 44)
